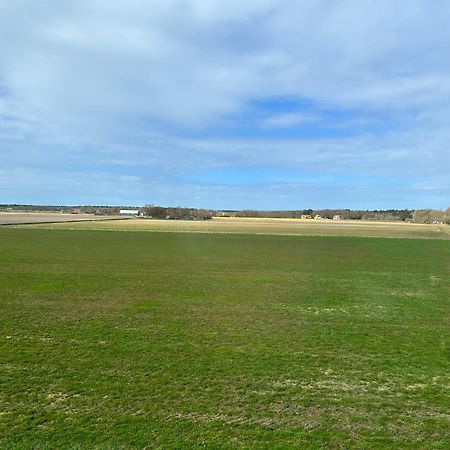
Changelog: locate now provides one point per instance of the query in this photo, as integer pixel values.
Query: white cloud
(289, 119)
(113, 83)
(190, 62)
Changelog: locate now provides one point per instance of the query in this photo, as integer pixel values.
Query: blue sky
(257, 104)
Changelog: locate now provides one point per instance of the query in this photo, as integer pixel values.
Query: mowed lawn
(189, 340)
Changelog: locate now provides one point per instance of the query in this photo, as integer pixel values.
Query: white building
(129, 212)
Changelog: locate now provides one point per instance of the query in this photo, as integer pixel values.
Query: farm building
(129, 212)
(337, 217)
(317, 217)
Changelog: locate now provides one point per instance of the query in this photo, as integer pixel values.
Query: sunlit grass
(268, 226)
(181, 340)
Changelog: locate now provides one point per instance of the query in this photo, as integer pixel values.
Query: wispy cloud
(288, 120)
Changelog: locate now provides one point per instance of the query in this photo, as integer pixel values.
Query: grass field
(196, 340)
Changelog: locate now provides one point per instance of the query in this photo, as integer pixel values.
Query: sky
(226, 104)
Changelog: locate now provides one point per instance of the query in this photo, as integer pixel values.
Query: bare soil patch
(30, 218)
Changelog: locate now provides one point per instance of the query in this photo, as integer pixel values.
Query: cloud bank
(140, 102)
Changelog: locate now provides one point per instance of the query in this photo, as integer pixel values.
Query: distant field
(190, 340)
(30, 218)
(274, 226)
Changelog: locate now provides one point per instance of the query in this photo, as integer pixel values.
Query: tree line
(182, 213)
(403, 215)
(177, 213)
(381, 215)
(431, 216)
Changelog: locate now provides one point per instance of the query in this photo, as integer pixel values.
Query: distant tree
(405, 214)
(156, 212)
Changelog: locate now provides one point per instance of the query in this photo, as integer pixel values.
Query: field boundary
(48, 222)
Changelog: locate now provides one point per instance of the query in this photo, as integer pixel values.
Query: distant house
(337, 217)
(129, 212)
(306, 216)
(317, 217)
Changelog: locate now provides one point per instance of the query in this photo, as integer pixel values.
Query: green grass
(185, 340)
